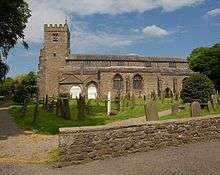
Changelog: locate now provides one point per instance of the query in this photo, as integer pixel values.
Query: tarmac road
(193, 159)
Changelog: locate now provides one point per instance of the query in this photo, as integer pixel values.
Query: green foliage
(198, 87)
(14, 16)
(21, 93)
(6, 87)
(15, 87)
(3, 69)
(30, 83)
(206, 60)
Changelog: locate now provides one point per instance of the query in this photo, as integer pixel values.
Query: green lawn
(49, 123)
(186, 114)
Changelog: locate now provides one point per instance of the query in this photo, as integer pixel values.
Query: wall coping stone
(148, 123)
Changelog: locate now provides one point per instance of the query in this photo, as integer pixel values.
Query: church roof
(136, 58)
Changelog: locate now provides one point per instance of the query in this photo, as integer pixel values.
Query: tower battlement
(52, 27)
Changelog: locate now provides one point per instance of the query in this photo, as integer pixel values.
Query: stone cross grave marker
(195, 109)
(151, 111)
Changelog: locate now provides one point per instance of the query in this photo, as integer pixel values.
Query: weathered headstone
(188, 105)
(214, 102)
(66, 108)
(151, 111)
(117, 103)
(210, 108)
(163, 96)
(46, 102)
(81, 105)
(51, 106)
(195, 109)
(174, 109)
(58, 107)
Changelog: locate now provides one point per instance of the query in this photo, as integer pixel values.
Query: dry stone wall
(80, 145)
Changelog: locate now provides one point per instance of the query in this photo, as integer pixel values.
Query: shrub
(198, 87)
(21, 94)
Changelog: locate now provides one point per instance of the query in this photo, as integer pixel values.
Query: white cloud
(155, 31)
(85, 40)
(214, 12)
(56, 11)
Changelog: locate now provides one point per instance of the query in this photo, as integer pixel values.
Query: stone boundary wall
(81, 145)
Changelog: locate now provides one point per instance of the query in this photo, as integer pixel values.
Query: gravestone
(210, 108)
(66, 108)
(195, 109)
(117, 103)
(46, 102)
(58, 107)
(188, 105)
(214, 102)
(151, 111)
(174, 109)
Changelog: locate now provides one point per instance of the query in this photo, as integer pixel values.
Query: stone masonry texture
(81, 145)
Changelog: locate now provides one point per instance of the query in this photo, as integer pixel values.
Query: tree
(21, 94)
(7, 87)
(206, 60)
(3, 70)
(198, 87)
(30, 82)
(14, 16)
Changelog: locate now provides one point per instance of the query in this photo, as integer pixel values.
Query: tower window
(55, 37)
(87, 63)
(147, 64)
(54, 54)
(121, 63)
(172, 64)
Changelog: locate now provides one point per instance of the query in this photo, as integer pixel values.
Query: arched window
(118, 82)
(92, 90)
(137, 82)
(75, 91)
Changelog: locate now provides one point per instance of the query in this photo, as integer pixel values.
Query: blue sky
(146, 27)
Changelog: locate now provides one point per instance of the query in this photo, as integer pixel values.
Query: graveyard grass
(49, 123)
(186, 114)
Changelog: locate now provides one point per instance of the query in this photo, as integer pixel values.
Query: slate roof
(93, 71)
(132, 58)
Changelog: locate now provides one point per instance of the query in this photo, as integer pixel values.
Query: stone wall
(80, 145)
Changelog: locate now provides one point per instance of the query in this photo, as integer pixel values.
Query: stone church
(61, 72)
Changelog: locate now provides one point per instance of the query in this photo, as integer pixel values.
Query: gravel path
(139, 120)
(194, 159)
(18, 145)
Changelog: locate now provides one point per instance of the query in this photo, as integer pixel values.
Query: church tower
(56, 49)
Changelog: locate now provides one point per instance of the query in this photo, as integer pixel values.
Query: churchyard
(50, 116)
